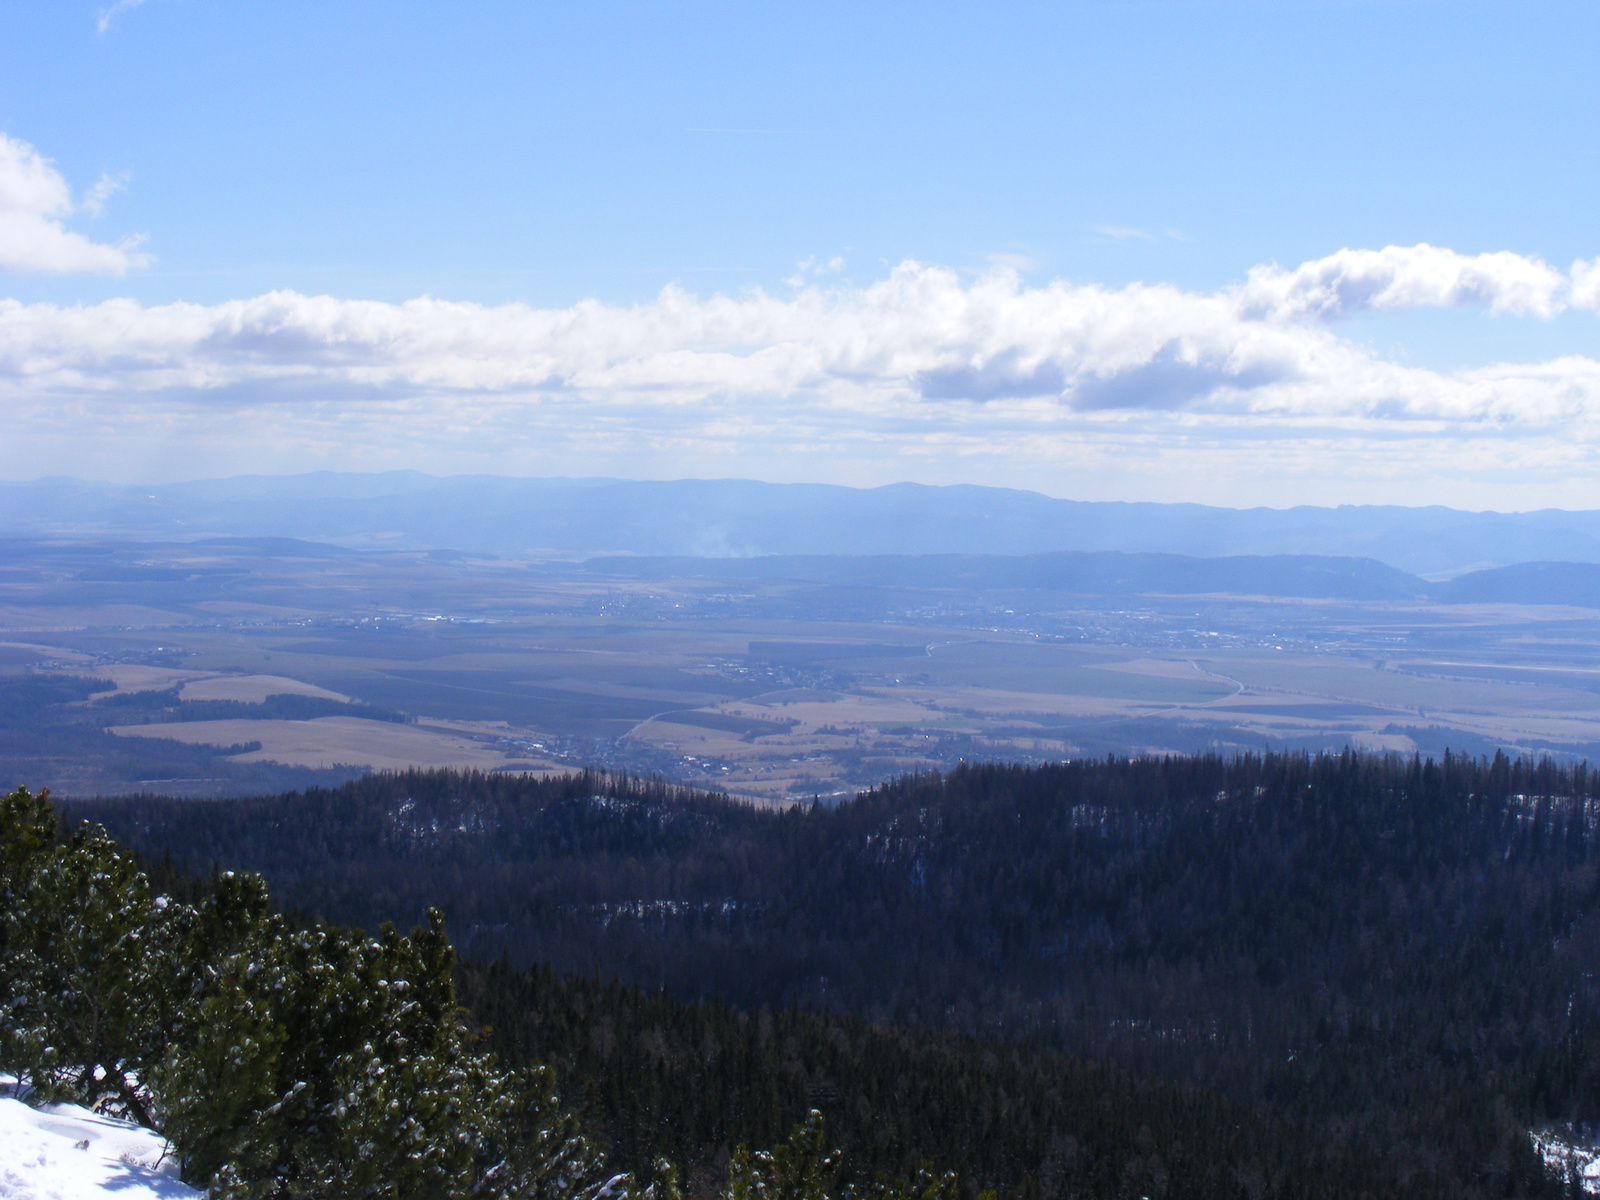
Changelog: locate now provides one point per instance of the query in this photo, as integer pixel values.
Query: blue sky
(571, 161)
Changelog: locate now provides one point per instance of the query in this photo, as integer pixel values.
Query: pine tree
(79, 924)
(804, 1169)
(548, 1158)
(219, 1079)
(800, 1169)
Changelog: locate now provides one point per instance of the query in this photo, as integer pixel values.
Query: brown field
(124, 677)
(774, 690)
(337, 741)
(253, 689)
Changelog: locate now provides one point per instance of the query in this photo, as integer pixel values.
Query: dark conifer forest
(1283, 975)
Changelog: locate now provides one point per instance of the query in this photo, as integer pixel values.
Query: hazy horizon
(103, 481)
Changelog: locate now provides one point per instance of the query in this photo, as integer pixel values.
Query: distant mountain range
(582, 518)
(1088, 573)
(1110, 573)
(180, 572)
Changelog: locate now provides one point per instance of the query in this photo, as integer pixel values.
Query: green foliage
(799, 1169)
(27, 832)
(82, 941)
(547, 1157)
(315, 1063)
(219, 1080)
(804, 1169)
(381, 1089)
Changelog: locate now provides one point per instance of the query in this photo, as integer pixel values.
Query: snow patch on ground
(1561, 1152)
(64, 1152)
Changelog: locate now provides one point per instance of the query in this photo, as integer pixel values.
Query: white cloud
(1586, 284)
(923, 374)
(1354, 281)
(34, 199)
(813, 267)
(922, 337)
(107, 186)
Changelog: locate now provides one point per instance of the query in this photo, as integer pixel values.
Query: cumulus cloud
(923, 366)
(1356, 281)
(923, 336)
(34, 200)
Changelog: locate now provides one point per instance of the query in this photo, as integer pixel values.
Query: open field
(324, 743)
(155, 668)
(252, 689)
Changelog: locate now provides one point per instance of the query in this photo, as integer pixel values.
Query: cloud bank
(921, 367)
(34, 199)
(920, 338)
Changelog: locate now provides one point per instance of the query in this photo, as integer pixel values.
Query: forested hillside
(652, 1076)
(1394, 953)
(255, 1058)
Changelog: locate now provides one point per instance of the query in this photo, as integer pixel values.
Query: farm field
(210, 669)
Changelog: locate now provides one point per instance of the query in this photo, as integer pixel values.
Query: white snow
(1561, 1151)
(64, 1152)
